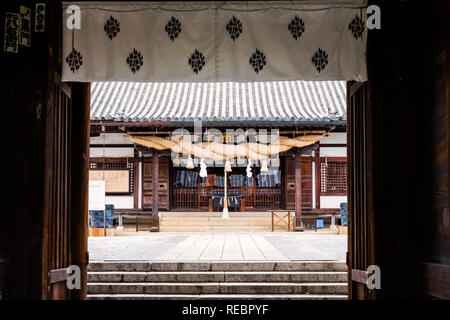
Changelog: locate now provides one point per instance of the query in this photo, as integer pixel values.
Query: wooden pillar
(135, 180)
(199, 183)
(155, 183)
(298, 192)
(318, 178)
(81, 93)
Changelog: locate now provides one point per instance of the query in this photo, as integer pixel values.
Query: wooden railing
(315, 214)
(267, 197)
(186, 197)
(281, 216)
(198, 197)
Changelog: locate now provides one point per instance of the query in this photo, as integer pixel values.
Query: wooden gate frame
(76, 162)
(361, 253)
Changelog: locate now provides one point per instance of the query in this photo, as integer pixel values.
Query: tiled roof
(279, 101)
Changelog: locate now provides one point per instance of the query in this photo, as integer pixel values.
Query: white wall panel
(335, 137)
(333, 152)
(121, 202)
(110, 138)
(111, 152)
(331, 202)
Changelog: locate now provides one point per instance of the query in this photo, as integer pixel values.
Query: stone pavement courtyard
(230, 246)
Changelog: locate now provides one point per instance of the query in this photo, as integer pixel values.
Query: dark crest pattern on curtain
(196, 61)
(296, 27)
(112, 27)
(135, 60)
(234, 28)
(74, 60)
(173, 28)
(258, 61)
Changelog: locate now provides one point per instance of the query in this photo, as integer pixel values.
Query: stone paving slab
(132, 248)
(214, 250)
(230, 246)
(310, 246)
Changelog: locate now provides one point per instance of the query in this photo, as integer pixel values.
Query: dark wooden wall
(23, 105)
(45, 164)
(434, 222)
(392, 149)
(407, 156)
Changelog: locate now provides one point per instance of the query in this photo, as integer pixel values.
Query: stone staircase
(159, 280)
(217, 224)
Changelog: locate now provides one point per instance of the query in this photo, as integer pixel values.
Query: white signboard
(97, 195)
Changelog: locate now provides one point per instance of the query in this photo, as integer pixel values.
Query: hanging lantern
(228, 166)
(249, 169)
(190, 163)
(203, 172)
(264, 166)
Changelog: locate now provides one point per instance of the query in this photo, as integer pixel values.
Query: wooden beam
(112, 145)
(333, 145)
(298, 191)
(310, 128)
(81, 93)
(155, 183)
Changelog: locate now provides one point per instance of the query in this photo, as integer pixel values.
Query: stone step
(212, 226)
(218, 288)
(215, 219)
(215, 297)
(217, 276)
(215, 223)
(215, 229)
(166, 266)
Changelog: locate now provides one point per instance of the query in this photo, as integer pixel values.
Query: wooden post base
(299, 228)
(98, 232)
(210, 205)
(342, 229)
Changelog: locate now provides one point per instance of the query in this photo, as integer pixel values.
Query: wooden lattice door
(163, 184)
(360, 216)
(57, 217)
(306, 179)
